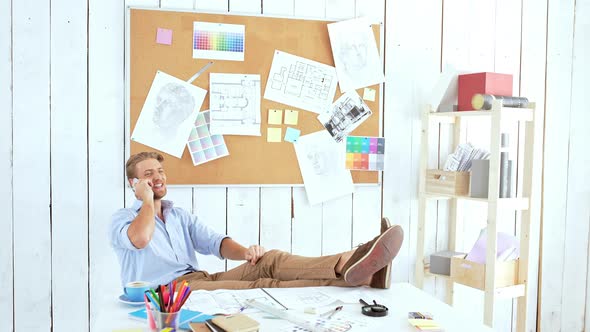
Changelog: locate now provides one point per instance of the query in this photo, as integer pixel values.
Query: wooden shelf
(518, 203)
(509, 292)
(428, 273)
(508, 113)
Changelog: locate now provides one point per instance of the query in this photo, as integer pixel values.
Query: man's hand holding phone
(143, 189)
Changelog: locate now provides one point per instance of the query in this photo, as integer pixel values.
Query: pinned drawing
(234, 101)
(168, 114)
(300, 82)
(347, 113)
(355, 54)
(321, 161)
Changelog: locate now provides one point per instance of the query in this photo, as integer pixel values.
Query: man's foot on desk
(382, 278)
(373, 256)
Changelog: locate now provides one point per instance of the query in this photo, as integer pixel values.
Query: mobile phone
(133, 183)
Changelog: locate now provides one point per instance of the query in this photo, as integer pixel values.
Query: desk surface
(401, 298)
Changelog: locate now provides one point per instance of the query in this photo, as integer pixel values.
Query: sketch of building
(346, 114)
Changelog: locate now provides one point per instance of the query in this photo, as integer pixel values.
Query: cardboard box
(485, 83)
(440, 262)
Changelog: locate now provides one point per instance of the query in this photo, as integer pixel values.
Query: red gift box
(484, 83)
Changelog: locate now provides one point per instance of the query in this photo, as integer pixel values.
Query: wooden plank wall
(63, 144)
(566, 190)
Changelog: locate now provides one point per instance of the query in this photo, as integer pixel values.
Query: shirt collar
(165, 205)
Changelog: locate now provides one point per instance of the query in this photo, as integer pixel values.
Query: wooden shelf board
(428, 273)
(510, 113)
(519, 203)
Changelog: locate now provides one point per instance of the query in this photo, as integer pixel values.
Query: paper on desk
(355, 54)
(321, 161)
(300, 298)
(168, 114)
(226, 302)
(234, 100)
(301, 82)
(345, 114)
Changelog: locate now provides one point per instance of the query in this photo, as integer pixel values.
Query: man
(156, 242)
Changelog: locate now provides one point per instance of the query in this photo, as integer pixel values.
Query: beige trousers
(275, 269)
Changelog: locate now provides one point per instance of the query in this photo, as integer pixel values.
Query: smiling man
(156, 242)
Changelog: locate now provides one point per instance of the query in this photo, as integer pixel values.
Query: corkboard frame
(181, 172)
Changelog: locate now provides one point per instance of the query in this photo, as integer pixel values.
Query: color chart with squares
(218, 41)
(365, 153)
(202, 145)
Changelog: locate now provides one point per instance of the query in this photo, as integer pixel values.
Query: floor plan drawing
(235, 104)
(301, 82)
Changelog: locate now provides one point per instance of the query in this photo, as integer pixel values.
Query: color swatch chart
(365, 153)
(202, 145)
(218, 41)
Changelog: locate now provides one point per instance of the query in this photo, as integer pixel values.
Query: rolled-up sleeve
(205, 240)
(120, 222)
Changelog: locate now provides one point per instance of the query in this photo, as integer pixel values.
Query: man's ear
(133, 182)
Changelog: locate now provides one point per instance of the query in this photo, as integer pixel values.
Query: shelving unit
(492, 276)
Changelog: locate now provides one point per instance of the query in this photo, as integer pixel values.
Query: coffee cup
(134, 290)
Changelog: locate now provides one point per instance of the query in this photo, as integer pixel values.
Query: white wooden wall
(63, 146)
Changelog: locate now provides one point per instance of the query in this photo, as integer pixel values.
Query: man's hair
(137, 158)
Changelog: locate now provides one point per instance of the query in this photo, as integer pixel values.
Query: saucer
(123, 299)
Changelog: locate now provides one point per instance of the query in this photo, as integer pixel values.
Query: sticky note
(291, 117)
(369, 94)
(292, 135)
(275, 117)
(273, 135)
(164, 36)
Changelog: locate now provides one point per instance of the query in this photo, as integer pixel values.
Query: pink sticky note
(164, 36)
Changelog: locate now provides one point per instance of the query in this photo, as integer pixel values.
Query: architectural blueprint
(234, 101)
(301, 82)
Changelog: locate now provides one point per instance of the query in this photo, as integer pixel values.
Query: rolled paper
(484, 101)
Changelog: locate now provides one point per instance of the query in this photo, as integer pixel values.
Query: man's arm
(230, 249)
(142, 228)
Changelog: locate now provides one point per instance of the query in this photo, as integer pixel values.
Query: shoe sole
(388, 267)
(376, 258)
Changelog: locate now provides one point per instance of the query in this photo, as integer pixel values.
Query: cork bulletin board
(252, 160)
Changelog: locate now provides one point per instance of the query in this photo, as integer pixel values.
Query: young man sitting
(156, 242)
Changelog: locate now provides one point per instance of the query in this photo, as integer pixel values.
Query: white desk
(401, 298)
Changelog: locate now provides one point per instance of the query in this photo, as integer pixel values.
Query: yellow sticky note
(291, 117)
(275, 117)
(274, 135)
(369, 94)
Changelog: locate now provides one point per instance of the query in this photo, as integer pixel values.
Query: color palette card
(365, 153)
(218, 41)
(202, 145)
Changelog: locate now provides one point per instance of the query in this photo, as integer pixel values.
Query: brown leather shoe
(373, 256)
(382, 278)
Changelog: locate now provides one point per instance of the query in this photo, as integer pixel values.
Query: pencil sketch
(174, 104)
(300, 82)
(347, 113)
(168, 114)
(355, 54)
(235, 104)
(320, 160)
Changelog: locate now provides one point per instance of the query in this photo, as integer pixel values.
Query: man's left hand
(253, 253)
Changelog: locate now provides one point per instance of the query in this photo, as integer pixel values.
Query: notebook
(237, 323)
(186, 317)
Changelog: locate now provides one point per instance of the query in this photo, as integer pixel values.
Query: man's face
(152, 170)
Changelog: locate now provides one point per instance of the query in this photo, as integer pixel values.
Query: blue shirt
(170, 253)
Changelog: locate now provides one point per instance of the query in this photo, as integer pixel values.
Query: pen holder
(164, 319)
